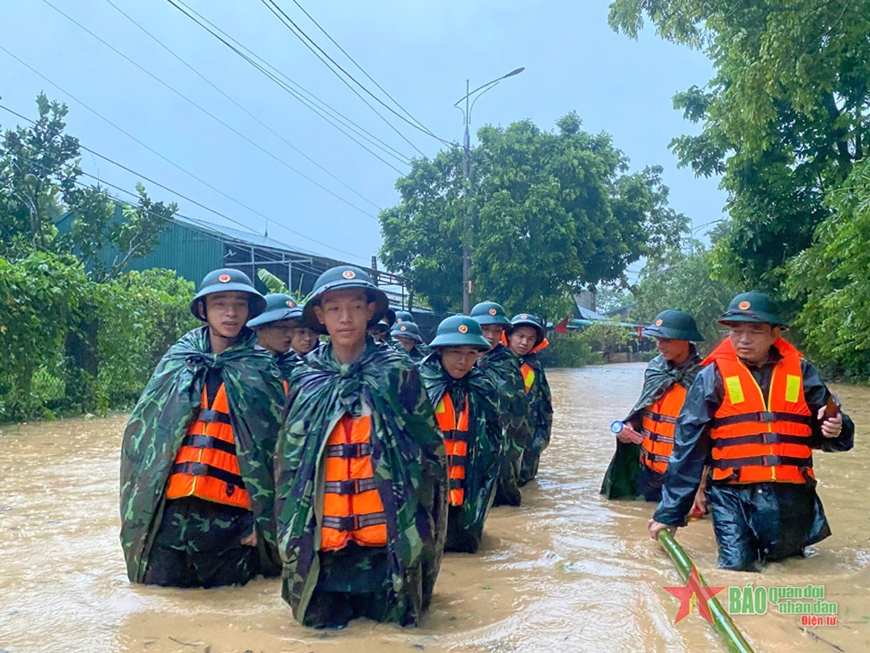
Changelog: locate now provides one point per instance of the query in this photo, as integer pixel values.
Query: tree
(683, 282)
(551, 211)
(40, 180)
(784, 119)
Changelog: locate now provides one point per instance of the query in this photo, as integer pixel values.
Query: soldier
(274, 328)
(404, 316)
(526, 338)
(756, 410)
(466, 408)
(380, 330)
(503, 368)
(361, 470)
(197, 493)
(407, 335)
(637, 470)
(304, 340)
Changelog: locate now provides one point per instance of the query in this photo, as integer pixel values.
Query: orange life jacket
(528, 376)
(758, 441)
(455, 430)
(206, 465)
(352, 507)
(659, 422)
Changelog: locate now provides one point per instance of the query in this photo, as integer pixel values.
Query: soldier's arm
(817, 394)
(692, 445)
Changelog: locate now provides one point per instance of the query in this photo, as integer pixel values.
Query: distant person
(466, 409)
(502, 366)
(645, 443)
(361, 470)
(197, 492)
(380, 331)
(274, 328)
(304, 338)
(754, 413)
(407, 335)
(526, 337)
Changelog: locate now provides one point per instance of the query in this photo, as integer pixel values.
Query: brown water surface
(567, 571)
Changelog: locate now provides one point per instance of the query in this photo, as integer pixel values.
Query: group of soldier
(327, 444)
(732, 434)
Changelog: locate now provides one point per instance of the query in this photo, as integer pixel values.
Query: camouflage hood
(159, 423)
(485, 435)
(409, 464)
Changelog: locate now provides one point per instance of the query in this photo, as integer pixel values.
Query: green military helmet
(407, 330)
(675, 325)
(526, 319)
(404, 316)
(490, 313)
(344, 277)
(459, 331)
(278, 307)
(752, 306)
(228, 280)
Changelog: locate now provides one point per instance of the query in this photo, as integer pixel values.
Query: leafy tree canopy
(551, 211)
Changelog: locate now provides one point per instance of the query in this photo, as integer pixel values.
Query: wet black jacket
(692, 445)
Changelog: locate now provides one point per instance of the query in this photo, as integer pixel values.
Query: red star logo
(695, 593)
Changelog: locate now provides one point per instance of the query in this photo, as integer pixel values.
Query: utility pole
(467, 234)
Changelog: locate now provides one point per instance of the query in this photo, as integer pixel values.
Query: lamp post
(466, 173)
(693, 230)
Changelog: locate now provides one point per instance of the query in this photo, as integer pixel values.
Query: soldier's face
(522, 340)
(752, 341)
(458, 361)
(345, 314)
(492, 333)
(303, 340)
(226, 313)
(407, 343)
(276, 336)
(673, 349)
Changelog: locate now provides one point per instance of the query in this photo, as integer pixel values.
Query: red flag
(562, 327)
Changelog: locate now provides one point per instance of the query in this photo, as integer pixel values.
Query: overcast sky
(421, 52)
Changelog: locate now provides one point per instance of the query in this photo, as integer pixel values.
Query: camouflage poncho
(503, 368)
(541, 401)
(286, 363)
(485, 437)
(620, 480)
(417, 354)
(159, 423)
(409, 464)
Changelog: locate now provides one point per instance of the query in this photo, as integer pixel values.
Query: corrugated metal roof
(249, 238)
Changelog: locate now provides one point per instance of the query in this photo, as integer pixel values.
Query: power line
(370, 78)
(208, 113)
(172, 163)
(314, 104)
(215, 87)
(299, 34)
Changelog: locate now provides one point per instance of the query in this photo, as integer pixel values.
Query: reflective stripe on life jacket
(352, 507)
(206, 465)
(659, 423)
(528, 375)
(757, 441)
(455, 430)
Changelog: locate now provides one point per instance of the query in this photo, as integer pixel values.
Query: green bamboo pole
(721, 619)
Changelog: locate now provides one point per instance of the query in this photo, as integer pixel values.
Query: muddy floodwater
(567, 571)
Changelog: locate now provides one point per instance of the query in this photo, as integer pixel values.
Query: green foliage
(272, 283)
(832, 278)
(551, 211)
(608, 336)
(684, 282)
(569, 350)
(785, 117)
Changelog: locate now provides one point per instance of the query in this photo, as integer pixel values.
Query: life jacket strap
(202, 469)
(657, 437)
(209, 415)
(457, 483)
(762, 461)
(354, 522)
(658, 417)
(654, 457)
(209, 442)
(765, 416)
(760, 438)
(351, 486)
(351, 450)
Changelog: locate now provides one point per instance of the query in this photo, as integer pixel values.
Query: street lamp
(694, 229)
(466, 173)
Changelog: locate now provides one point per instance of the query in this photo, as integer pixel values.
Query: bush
(569, 350)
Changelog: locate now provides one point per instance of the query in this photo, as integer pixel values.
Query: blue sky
(420, 51)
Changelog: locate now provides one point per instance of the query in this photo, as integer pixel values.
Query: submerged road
(567, 571)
